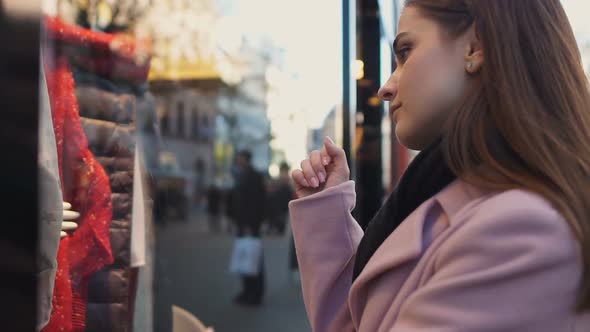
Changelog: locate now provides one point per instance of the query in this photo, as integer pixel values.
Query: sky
(578, 12)
(310, 33)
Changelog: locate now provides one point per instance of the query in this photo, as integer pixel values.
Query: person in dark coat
(248, 205)
(214, 207)
(279, 195)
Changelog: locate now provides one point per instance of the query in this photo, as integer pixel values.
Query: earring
(469, 65)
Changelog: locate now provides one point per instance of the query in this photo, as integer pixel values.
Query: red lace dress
(86, 186)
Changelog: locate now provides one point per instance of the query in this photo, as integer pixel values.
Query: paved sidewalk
(191, 272)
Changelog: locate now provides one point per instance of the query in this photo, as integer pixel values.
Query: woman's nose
(389, 90)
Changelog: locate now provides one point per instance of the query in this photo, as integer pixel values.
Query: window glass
(176, 125)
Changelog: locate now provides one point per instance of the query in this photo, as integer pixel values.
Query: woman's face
(429, 81)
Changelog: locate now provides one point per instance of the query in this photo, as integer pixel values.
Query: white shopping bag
(246, 256)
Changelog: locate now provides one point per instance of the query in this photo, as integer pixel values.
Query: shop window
(151, 169)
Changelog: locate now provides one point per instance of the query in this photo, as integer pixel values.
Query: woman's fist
(323, 169)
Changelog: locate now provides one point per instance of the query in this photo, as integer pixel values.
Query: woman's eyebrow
(397, 38)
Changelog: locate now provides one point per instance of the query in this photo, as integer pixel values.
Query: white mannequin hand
(68, 224)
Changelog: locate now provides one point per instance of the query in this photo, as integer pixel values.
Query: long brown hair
(526, 122)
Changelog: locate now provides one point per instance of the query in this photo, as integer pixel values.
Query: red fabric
(113, 56)
(61, 313)
(86, 186)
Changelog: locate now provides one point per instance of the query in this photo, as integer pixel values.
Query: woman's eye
(403, 53)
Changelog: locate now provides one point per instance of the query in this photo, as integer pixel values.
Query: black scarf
(426, 176)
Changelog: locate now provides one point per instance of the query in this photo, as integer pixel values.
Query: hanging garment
(86, 186)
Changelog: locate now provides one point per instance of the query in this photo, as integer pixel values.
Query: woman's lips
(393, 108)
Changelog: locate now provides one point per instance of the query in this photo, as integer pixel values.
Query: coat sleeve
(326, 238)
(513, 270)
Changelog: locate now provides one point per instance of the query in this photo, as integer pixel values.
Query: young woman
(489, 229)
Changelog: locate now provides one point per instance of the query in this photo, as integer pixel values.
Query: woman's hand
(322, 170)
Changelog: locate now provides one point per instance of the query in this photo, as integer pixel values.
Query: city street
(192, 272)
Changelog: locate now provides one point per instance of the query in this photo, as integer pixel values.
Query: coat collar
(456, 196)
(406, 243)
(403, 245)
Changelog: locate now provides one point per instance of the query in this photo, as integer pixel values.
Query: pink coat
(465, 260)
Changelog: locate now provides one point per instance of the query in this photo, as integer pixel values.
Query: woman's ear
(474, 56)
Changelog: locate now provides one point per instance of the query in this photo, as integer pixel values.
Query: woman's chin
(406, 139)
(403, 142)
(401, 135)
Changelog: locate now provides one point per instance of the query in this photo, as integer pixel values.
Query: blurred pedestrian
(199, 182)
(278, 198)
(248, 206)
(214, 207)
